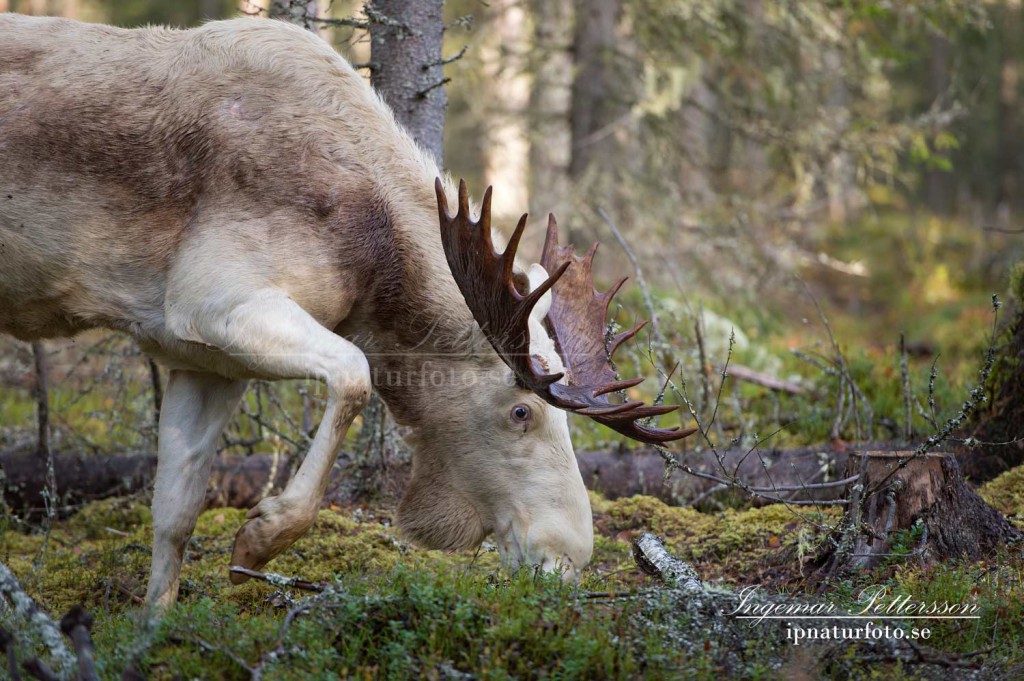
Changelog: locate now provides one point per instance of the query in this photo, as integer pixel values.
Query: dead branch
(644, 290)
(7, 646)
(654, 559)
(77, 626)
(278, 580)
(26, 609)
(749, 375)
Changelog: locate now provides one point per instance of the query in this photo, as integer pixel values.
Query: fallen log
(235, 481)
(624, 474)
(241, 481)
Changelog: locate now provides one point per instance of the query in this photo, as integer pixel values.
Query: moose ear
(538, 275)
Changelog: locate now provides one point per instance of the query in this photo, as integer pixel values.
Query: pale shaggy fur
(239, 200)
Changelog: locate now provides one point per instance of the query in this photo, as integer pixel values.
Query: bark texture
(928, 491)
(550, 133)
(299, 12)
(406, 41)
(239, 481)
(599, 98)
(651, 557)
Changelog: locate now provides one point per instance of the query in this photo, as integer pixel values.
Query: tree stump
(898, 491)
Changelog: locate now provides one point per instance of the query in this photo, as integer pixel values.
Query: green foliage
(394, 612)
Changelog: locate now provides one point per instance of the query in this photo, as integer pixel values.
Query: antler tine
(576, 318)
(485, 279)
(616, 386)
(609, 410)
(577, 321)
(442, 201)
(536, 294)
(463, 201)
(509, 256)
(624, 336)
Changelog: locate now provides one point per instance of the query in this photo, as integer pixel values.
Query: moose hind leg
(273, 335)
(195, 410)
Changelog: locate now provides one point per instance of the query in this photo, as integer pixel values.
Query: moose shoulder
(239, 200)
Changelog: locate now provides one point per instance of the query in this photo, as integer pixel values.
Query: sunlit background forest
(766, 164)
(758, 159)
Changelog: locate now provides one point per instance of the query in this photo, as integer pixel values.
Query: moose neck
(416, 330)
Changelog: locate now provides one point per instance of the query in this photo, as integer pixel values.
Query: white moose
(240, 201)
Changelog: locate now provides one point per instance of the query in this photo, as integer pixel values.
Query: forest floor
(393, 611)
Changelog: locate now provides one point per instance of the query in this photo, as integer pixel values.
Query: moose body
(240, 201)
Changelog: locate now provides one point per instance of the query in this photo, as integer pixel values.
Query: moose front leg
(277, 339)
(276, 522)
(195, 409)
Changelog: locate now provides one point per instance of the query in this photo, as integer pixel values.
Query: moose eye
(521, 413)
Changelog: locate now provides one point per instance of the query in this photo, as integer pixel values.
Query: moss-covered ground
(393, 611)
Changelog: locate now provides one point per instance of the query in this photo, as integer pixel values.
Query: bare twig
(77, 626)
(278, 580)
(749, 375)
(7, 646)
(444, 62)
(644, 290)
(42, 395)
(908, 426)
(976, 397)
(158, 390)
(425, 91)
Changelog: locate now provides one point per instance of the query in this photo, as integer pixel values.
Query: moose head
(506, 465)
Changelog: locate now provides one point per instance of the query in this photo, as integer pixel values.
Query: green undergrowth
(394, 611)
(1006, 494)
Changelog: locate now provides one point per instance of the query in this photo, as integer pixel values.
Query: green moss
(1017, 282)
(995, 587)
(1006, 492)
(98, 518)
(395, 612)
(733, 545)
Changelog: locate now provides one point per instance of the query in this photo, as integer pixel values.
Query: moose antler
(576, 319)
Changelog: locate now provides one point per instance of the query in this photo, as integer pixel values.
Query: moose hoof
(246, 552)
(259, 540)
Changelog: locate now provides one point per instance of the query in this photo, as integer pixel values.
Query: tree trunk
(506, 88)
(597, 102)
(42, 395)
(550, 132)
(406, 41)
(1008, 108)
(923, 499)
(938, 183)
(299, 12)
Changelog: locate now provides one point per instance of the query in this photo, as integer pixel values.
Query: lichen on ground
(395, 611)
